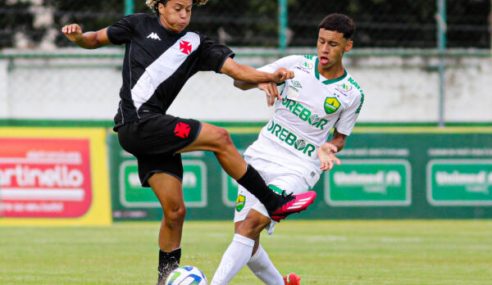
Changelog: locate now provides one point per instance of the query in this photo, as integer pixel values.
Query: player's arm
(243, 85)
(271, 92)
(249, 75)
(338, 140)
(328, 150)
(241, 73)
(270, 88)
(88, 40)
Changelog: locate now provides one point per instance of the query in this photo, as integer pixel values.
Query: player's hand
(271, 92)
(282, 74)
(326, 154)
(73, 32)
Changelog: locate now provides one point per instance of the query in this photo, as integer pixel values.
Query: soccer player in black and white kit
(160, 56)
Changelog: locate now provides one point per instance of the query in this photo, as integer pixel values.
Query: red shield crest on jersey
(182, 130)
(185, 47)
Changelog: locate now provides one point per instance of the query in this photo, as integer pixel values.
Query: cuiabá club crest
(331, 105)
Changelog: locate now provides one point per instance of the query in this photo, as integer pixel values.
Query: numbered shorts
(277, 178)
(154, 140)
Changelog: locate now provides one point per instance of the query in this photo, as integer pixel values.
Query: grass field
(322, 252)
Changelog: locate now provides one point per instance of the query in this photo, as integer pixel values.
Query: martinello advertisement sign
(53, 176)
(133, 195)
(45, 178)
(452, 182)
(369, 183)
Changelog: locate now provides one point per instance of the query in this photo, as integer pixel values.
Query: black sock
(168, 262)
(253, 182)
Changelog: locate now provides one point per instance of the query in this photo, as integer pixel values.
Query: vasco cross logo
(153, 36)
(185, 47)
(331, 105)
(182, 130)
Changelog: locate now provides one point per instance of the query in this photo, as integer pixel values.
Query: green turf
(322, 252)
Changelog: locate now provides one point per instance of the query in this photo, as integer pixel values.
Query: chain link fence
(38, 66)
(398, 24)
(381, 23)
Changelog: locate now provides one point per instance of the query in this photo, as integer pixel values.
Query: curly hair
(340, 23)
(152, 4)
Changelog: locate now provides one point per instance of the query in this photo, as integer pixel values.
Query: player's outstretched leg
(279, 206)
(292, 279)
(295, 204)
(217, 140)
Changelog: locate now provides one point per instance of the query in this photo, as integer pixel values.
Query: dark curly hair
(340, 23)
(153, 4)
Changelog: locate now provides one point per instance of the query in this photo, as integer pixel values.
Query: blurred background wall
(417, 61)
(422, 147)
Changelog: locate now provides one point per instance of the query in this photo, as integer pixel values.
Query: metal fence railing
(432, 43)
(400, 86)
(381, 24)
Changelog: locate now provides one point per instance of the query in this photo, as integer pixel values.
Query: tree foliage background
(380, 23)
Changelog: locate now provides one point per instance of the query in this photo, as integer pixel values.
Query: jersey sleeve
(348, 117)
(212, 55)
(121, 32)
(285, 62)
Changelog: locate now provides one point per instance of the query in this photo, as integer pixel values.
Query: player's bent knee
(213, 138)
(175, 215)
(223, 139)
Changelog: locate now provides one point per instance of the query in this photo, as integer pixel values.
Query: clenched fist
(73, 32)
(282, 74)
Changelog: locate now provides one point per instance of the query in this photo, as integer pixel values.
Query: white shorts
(276, 177)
